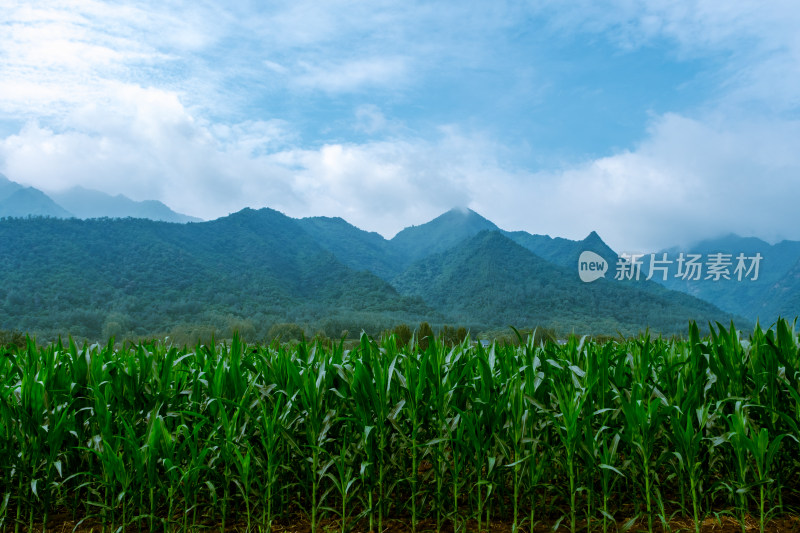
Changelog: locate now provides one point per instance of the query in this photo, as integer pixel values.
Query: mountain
(144, 277)
(7, 187)
(560, 251)
(19, 201)
(360, 249)
(356, 248)
(88, 203)
(491, 280)
(260, 269)
(388, 258)
(783, 297)
(763, 298)
(27, 201)
(441, 233)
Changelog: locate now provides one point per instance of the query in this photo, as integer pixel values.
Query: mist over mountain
(27, 201)
(7, 187)
(19, 201)
(440, 234)
(87, 203)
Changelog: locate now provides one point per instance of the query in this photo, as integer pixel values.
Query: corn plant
(412, 379)
(443, 381)
(642, 408)
(125, 437)
(687, 438)
(372, 386)
(518, 419)
(609, 465)
(536, 426)
(480, 425)
(272, 422)
(317, 419)
(751, 448)
(343, 479)
(570, 397)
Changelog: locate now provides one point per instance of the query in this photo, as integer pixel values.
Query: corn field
(582, 436)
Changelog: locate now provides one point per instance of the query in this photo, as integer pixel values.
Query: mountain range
(459, 268)
(771, 290)
(256, 270)
(19, 201)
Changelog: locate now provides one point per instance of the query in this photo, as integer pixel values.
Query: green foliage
(12, 338)
(103, 278)
(403, 334)
(247, 436)
(425, 335)
(450, 335)
(286, 332)
(492, 282)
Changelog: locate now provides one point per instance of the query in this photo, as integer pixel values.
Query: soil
(62, 523)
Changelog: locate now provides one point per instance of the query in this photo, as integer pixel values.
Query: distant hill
(387, 258)
(27, 201)
(782, 298)
(765, 298)
(87, 203)
(7, 187)
(19, 201)
(489, 279)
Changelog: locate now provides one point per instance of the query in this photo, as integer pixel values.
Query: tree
(10, 338)
(286, 332)
(424, 334)
(402, 334)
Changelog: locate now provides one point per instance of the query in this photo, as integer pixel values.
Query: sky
(655, 123)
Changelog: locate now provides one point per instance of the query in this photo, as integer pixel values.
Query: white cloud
(357, 74)
(58, 55)
(147, 145)
(688, 180)
(117, 98)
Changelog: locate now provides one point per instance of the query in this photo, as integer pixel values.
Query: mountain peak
(441, 233)
(462, 210)
(594, 239)
(455, 217)
(462, 213)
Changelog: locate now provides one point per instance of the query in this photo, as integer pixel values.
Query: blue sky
(655, 123)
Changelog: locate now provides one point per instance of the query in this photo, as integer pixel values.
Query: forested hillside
(269, 275)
